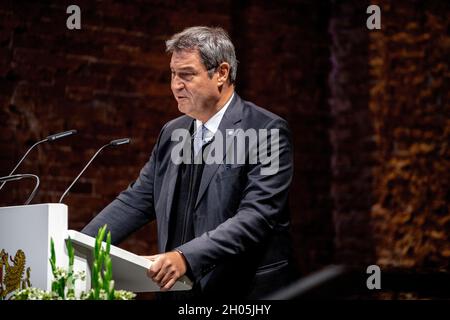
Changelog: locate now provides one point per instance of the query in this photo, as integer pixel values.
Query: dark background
(369, 112)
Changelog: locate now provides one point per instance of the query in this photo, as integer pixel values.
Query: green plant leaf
(70, 251)
(52, 256)
(108, 242)
(102, 285)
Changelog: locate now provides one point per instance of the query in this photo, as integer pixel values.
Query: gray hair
(213, 44)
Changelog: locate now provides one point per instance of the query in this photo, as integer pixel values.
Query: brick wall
(351, 134)
(390, 132)
(409, 102)
(368, 111)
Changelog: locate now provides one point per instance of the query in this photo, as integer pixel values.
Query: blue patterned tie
(199, 138)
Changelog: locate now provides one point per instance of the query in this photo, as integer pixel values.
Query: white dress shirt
(213, 123)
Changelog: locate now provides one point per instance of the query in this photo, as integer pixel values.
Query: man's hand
(166, 268)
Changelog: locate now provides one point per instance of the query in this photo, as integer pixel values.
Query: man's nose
(177, 83)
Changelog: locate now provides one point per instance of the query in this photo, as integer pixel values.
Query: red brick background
(369, 112)
(409, 104)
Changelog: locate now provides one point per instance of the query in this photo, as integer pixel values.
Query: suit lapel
(229, 121)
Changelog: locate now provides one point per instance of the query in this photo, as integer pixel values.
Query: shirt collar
(213, 123)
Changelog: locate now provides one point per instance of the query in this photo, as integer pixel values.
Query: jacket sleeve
(260, 209)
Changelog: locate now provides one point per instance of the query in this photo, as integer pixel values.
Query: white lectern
(29, 228)
(129, 269)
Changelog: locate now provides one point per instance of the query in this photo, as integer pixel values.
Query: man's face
(194, 91)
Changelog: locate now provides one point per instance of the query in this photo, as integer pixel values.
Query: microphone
(50, 138)
(60, 135)
(113, 143)
(19, 177)
(118, 142)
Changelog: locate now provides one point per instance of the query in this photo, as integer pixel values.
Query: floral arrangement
(102, 284)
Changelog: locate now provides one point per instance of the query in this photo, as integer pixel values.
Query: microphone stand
(19, 177)
(112, 143)
(50, 138)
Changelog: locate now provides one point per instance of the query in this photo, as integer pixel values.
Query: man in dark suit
(223, 223)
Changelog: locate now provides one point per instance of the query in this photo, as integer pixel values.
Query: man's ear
(223, 73)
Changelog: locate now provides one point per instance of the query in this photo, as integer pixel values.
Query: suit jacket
(241, 246)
